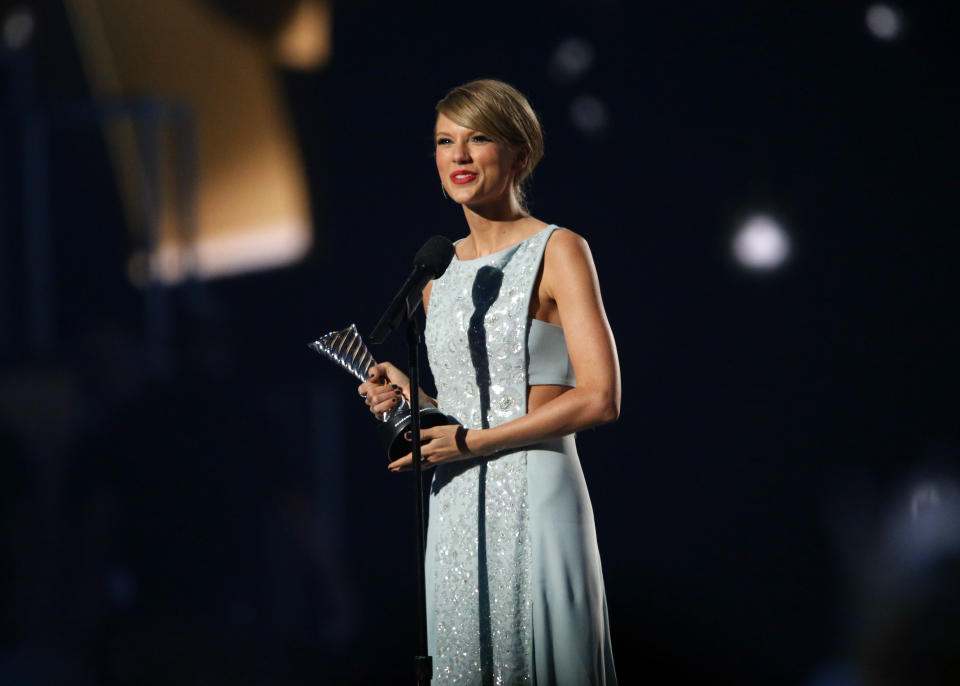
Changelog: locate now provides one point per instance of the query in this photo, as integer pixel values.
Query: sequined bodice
(476, 333)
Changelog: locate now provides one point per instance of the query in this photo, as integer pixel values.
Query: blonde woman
(523, 358)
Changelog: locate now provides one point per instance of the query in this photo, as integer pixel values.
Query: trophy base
(391, 432)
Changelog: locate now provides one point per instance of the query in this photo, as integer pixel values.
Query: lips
(463, 176)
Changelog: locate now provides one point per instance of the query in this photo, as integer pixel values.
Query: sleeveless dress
(514, 585)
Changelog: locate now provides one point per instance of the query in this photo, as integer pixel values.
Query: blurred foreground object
(305, 40)
(249, 205)
(911, 627)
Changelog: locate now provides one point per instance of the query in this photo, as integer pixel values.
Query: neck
(494, 228)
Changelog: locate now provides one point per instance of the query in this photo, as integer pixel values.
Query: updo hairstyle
(502, 112)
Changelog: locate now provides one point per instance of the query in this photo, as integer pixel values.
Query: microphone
(430, 262)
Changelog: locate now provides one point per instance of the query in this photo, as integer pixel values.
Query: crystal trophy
(347, 349)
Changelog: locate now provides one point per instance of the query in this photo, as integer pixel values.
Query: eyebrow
(471, 132)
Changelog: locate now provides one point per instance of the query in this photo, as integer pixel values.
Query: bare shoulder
(566, 247)
(567, 265)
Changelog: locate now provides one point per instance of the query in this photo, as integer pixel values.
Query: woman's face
(474, 169)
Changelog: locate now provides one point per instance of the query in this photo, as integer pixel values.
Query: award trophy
(346, 348)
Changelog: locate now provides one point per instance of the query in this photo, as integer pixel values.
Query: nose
(461, 152)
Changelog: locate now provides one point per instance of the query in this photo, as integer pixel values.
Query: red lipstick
(463, 176)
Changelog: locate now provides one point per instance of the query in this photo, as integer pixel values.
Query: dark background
(229, 520)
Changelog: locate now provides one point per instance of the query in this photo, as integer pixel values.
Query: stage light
(571, 59)
(883, 22)
(761, 244)
(589, 114)
(18, 29)
(249, 204)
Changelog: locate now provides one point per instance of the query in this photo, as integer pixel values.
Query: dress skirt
(570, 632)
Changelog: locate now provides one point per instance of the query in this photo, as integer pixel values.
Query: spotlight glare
(761, 244)
(883, 22)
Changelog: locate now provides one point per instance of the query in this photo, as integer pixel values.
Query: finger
(377, 372)
(392, 388)
(408, 435)
(383, 395)
(379, 391)
(366, 388)
(386, 405)
(380, 394)
(386, 370)
(405, 463)
(387, 396)
(402, 464)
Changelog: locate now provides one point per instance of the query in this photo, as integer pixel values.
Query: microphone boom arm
(403, 305)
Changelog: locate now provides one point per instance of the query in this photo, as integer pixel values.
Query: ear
(522, 158)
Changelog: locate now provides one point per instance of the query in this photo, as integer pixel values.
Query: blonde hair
(503, 113)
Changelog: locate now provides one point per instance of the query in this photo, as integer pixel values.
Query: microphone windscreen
(435, 255)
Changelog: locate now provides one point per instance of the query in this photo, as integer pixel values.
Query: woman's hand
(386, 386)
(439, 444)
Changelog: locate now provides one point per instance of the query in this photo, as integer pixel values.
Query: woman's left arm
(570, 278)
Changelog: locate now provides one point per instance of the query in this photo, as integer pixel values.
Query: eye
(443, 140)
(480, 138)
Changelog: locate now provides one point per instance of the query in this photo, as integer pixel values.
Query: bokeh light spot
(761, 243)
(883, 22)
(589, 114)
(571, 59)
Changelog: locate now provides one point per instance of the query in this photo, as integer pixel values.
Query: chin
(460, 197)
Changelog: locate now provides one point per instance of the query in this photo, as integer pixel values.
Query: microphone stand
(423, 662)
(431, 261)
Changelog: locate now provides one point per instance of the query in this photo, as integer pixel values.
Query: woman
(523, 357)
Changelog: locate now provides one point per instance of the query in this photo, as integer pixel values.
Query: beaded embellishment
(476, 337)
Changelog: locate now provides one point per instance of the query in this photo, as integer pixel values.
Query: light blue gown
(514, 585)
